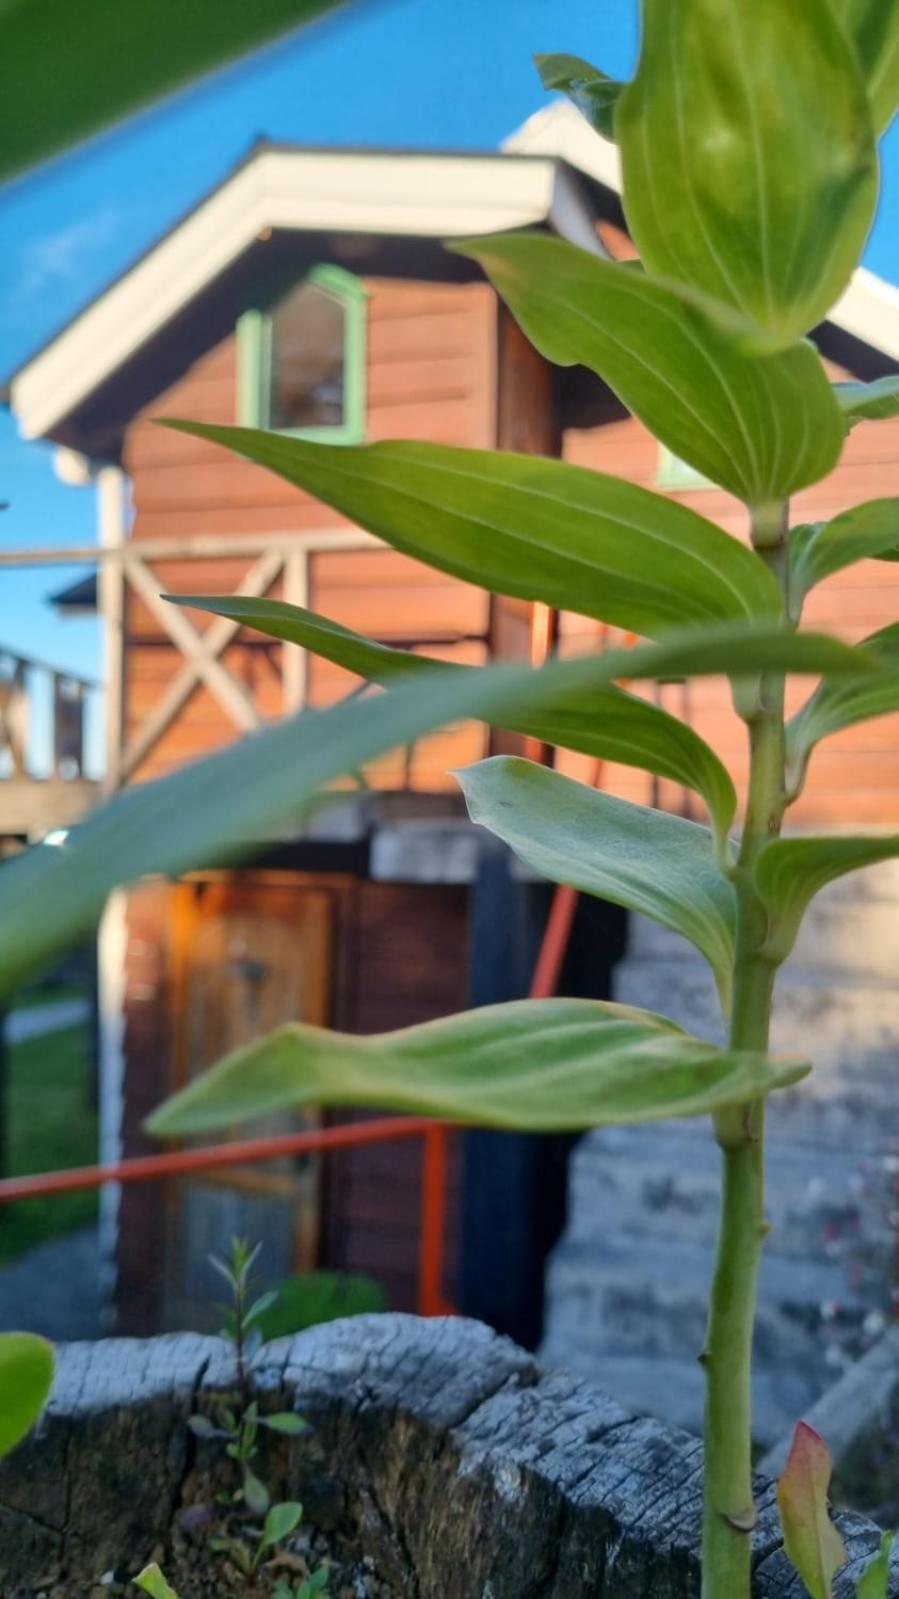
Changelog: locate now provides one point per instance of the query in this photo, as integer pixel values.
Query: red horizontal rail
(323, 1140)
(180, 1163)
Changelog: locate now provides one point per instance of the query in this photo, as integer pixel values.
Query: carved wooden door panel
(249, 952)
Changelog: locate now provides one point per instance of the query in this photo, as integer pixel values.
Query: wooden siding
(854, 776)
(430, 375)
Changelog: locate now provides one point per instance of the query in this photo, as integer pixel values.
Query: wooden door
(249, 952)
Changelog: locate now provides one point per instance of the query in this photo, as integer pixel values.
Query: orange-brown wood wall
(430, 375)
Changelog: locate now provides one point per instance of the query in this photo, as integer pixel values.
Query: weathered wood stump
(440, 1448)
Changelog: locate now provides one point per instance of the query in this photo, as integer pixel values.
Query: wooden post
(111, 528)
(294, 661)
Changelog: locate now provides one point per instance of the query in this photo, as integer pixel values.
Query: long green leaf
(750, 168)
(875, 402)
(760, 426)
(593, 92)
(873, 27)
(810, 1538)
(523, 525)
(530, 1066)
(789, 872)
(843, 702)
(26, 1374)
(645, 860)
(220, 806)
(875, 1579)
(869, 531)
(70, 67)
(605, 722)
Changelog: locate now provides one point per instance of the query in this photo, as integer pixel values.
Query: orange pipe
(183, 1163)
(432, 1236)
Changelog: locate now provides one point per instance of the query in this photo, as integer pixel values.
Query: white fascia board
(431, 196)
(869, 308)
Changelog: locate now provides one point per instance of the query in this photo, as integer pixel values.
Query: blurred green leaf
(153, 1582)
(608, 723)
(658, 865)
(527, 526)
(789, 872)
(760, 426)
(26, 1374)
(876, 401)
(748, 154)
(280, 1522)
(873, 27)
(841, 702)
(315, 1297)
(593, 92)
(71, 67)
(227, 804)
(874, 1581)
(868, 531)
(531, 1066)
(810, 1538)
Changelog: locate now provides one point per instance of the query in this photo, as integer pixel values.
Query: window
(673, 473)
(301, 361)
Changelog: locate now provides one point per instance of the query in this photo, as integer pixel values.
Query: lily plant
(748, 148)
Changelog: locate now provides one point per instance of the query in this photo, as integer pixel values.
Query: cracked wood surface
(439, 1447)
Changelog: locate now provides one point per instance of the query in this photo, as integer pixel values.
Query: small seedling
(236, 1421)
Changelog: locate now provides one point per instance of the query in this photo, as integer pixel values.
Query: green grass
(51, 1123)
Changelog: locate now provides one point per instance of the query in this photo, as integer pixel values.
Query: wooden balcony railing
(46, 789)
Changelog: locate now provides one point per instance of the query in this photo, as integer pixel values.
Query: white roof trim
(869, 309)
(435, 196)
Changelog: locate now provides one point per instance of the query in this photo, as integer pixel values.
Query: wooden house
(310, 292)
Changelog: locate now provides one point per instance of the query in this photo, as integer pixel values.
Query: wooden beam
(212, 546)
(211, 643)
(111, 518)
(294, 660)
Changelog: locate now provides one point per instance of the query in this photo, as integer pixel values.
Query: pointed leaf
(605, 722)
(153, 1582)
(790, 871)
(256, 1495)
(842, 702)
(524, 525)
(286, 1421)
(532, 1066)
(213, 810)
(593, 92)
(280, 1522)
(750, 169)
(26, 1374)
(760, 426)
(875, 1579)
(810, 1538)
(876, 401)
(645, 860)
(873, 27)
(866, 532)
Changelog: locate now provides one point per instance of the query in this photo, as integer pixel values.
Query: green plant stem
(729, 1512)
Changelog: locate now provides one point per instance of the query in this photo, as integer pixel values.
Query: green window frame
(254, 360)
(673, 473)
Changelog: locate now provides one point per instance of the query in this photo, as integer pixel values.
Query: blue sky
(382, 72)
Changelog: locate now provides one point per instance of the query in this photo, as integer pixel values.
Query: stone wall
(460, 1467)
(627, 1287)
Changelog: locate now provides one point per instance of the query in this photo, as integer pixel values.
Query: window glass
(308, 360)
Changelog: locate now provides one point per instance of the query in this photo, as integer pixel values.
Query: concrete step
(635, 1296)
(663, 1182)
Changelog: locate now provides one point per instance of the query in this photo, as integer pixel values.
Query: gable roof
(537, 178)
(385, 193)
(867, 311)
